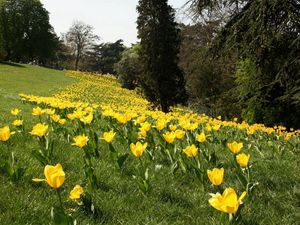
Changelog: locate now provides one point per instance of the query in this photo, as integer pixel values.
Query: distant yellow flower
(243, 159)
(39, 130)
(180, 134)
(208, 128)
(201, 137)
(55, 176)
(191, 151)
(169, 137)
(145, 126)
(37, 111)
(216, 176)
(49, 111)
(5, 133)
(216, 127)
(80, 141)
(71, 116)
(62, 121)
(235, 147)
(138, 148)
(15, 111)
(172, 127)
(228, 202)
(76, 192)
(108, 136)
(87, 119)
(55, 118)
(160, 124)
(17, 123)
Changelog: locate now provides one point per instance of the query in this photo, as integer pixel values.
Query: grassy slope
(174, 200)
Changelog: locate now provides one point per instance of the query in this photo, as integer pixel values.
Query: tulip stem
(60, 202)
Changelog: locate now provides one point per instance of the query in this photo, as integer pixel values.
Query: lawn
(176, 196)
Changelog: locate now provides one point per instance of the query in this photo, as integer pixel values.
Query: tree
(161, 79)
(128, 67)
(80, 38)
(265, 37)
(26, 32)
(103, 57)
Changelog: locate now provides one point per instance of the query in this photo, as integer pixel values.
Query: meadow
(134, 164)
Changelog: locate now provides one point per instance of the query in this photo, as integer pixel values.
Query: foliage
(26, 32)
(128, 67)
(267, 33)
(102, 58)
(161, 79)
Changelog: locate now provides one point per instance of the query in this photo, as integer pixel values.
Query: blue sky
(112, 19)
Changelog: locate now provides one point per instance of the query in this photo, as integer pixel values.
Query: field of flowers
(95, 153)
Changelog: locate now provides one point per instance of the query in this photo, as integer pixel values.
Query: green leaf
(60, 218)
(121, 160)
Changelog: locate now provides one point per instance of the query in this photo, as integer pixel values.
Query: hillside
(163, 180)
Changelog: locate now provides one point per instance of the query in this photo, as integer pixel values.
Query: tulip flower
(243, 159)
(55, 176)
(201, 137)
(179, 134)
(191, 151)
(76, 192)
(169, 137)
(15, 111)
(228, 202)
(109, 136)
(17, 123)
(138, 148)
(235, 147)
(37, 111)
(80, 141)
(5, 133)
(172, 127)
(55, 118)
(39, 130)
(216, 176)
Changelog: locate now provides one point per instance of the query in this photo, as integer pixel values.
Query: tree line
(238, 58)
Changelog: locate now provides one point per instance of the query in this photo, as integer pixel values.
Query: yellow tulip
(62, 121)
(138, 148)
(228, 202)
(201, 137)
(191, 151)
(55, 176)
(243, 159)
(55, 118)
(17, 123)
(39, 130)
(37, 111)
(169, 137)
(179, 134)
(172, 127)
(5, 133)
(80, 141)
(109, 136)
(216, 176)
(145, 126)
(76, 192)
(235, 147)
(15, 111)
(160, 124)
(87, 119)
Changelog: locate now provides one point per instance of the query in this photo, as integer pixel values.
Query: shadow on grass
(12, 64)
(167, 197)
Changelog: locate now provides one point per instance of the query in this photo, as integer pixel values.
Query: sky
(111, 19)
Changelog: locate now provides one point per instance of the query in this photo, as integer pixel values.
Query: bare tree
(80, 38)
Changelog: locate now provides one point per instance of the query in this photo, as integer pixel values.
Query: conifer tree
(161, 79)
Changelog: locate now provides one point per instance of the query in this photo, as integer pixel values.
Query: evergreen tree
(161, 79)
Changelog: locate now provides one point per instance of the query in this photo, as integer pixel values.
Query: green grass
(173, 199)
(35, 80)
